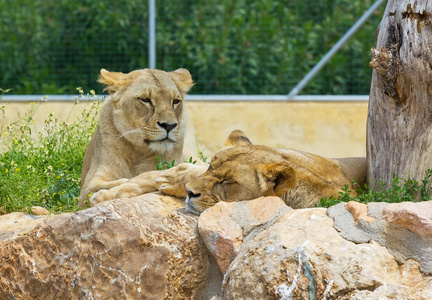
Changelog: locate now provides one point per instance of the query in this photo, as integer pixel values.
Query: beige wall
(332, 129)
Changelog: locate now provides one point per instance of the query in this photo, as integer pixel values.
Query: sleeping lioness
(246, 172)
(143, 117)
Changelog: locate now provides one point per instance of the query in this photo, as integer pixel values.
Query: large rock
(224, 227)
(149, 248)
(141, 248)
(18, 223)
(297, 254)
(416, 217)
(405, 229)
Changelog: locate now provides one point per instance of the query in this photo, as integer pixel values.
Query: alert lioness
(247, 171)
(142, 118)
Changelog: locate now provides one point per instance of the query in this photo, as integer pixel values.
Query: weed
(396, 191)
(2, 91)
(200, 150)
(163, 164)
(191, 161)
(43, 166)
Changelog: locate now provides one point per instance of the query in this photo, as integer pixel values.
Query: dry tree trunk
(399, 125)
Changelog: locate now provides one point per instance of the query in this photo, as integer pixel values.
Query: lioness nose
(192, 194)
(168, 127)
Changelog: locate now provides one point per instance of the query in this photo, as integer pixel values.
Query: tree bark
(399, 125)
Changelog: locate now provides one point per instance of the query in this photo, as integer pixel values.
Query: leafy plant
(396, 191)
(200, 150)
(43, 166)
(191, 160)
(3, 92)
(163, 164)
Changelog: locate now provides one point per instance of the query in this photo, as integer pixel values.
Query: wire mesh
(230, 47)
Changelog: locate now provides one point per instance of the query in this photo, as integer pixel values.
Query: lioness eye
(145, 100)
(176, 101)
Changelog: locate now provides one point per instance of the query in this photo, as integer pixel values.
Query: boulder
(18, 223)
(149, 247)
(416, 217)
(405, 229)
(298, 254)
(141, 248)
(224, 226)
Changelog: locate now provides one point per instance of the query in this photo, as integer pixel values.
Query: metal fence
(245, 47)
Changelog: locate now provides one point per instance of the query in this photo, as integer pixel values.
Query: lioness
(142, 118)
(246, 172)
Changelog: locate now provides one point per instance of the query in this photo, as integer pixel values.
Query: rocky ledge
(149, 247)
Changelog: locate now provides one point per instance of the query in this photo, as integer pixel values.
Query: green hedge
(230, 47)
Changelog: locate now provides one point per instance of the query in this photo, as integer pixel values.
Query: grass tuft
(43, 166)
(396, 191)
(163, 164)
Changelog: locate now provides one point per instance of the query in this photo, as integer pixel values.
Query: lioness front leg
(100, 184)
(173, 181)
(141, 184)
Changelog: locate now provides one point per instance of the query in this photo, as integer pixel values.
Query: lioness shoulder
(143, 117)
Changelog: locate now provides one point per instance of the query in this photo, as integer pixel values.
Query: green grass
(43, 166)
(162, 164)
(396, 191)
(200, 150)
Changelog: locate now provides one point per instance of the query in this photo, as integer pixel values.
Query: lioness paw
(172, 182)
(100, 196)
(176, 190)
(168, 184)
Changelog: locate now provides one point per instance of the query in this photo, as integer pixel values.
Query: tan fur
(247, 172)
(143, 117)
(237, 138)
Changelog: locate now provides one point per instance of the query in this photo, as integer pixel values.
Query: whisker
(130, 132)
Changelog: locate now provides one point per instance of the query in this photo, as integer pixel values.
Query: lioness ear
(112, 80)
(182, 79)
(237, 138)
(281, 175)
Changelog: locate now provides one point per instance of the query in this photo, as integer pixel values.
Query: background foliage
(230, 47)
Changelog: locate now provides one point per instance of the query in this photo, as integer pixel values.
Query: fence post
(152, 34)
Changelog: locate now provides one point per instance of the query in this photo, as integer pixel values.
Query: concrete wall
(332, 129)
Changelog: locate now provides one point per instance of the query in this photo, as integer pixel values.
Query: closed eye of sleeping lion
(246, 172)
(143, 117)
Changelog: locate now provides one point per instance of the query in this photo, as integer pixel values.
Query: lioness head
(147, 107)
(243, 172)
